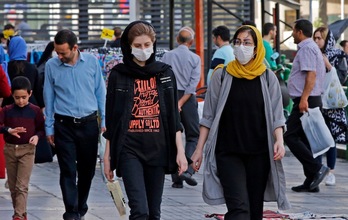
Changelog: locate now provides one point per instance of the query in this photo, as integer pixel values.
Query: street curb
(341, 151)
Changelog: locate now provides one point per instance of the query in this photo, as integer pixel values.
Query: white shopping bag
(317, 132)
(117, 196)
(333, 95)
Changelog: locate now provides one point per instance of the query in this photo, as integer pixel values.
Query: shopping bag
(317, 132)
(43, 151)
(342, 69)
(333, 96)
(117, 196)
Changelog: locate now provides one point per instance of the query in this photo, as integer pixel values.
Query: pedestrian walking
(19, 66)
(335, 118)
(269, 32)
(22, 124)
(224, 54)
(117, 33)
(74, 94)
(186, 66)
(143, 130)
(344, 45)
(242, 130)
(305, 89)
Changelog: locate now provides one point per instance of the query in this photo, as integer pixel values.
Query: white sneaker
(330, 179)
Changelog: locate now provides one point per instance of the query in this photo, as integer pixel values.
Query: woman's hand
(109, 174)
(279, 150)
(180, 155)
(197, 158)
(182, 162)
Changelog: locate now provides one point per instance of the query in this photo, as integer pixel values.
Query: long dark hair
(47, 54)
(19, 66)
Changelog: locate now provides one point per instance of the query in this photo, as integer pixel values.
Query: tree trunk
(323, 11)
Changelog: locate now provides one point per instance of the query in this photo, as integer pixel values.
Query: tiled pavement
(45, 200)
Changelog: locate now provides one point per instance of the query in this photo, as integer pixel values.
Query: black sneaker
(177, 185)
(319, 176)
(188, 179)
(303, 188)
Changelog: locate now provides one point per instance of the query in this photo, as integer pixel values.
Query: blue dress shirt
(186, 67)
(75, 91)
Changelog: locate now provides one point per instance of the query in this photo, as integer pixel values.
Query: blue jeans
(76, 146)
(331, 156)
(143, 185)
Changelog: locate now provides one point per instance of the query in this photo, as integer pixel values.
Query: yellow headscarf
(8, 33)
(255, 67)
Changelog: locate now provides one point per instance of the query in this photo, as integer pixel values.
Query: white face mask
(243, 53)
(142, 55)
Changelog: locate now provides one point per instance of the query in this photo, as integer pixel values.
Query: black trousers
(297, 142)
(143, 185)
(243, 179)
(190, 121)
(76, 147)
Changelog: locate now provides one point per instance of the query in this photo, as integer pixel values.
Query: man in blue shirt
(224, 53)
(74, 91)
(187, 69)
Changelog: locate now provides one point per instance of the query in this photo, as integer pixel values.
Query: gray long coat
(214, 103)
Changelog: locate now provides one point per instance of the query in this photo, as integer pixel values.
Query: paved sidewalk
(45, 200)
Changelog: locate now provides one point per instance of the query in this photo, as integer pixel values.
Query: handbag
(43, 152)
(316, 131)
(333, 96)
(117, 196)
(342, 69)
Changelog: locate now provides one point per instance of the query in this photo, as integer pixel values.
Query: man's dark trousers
(77, 147)
(190, 121)
(297, 142)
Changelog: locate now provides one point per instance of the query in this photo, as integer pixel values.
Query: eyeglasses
(237, 42)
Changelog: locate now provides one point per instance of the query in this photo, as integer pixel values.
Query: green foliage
(317, 23)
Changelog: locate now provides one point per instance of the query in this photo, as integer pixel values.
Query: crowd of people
(148, 104)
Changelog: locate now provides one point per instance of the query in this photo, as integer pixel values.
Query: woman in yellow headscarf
(242, 130)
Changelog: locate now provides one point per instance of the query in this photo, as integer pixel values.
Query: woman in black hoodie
(143, 128)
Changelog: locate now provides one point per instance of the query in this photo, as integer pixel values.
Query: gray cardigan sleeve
(275, 95)
(211, 99)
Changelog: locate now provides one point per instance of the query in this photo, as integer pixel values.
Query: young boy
(22, 124)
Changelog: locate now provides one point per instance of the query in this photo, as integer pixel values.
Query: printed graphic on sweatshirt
(146, 111)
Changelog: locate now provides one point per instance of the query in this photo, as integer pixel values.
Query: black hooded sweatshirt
(120, 113)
